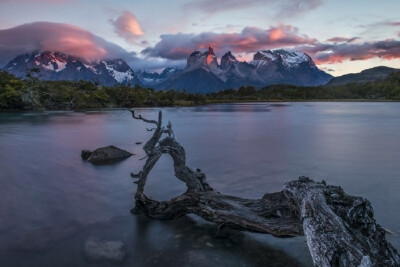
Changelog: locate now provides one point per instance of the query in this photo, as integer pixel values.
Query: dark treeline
(34, 94)
(388, 89)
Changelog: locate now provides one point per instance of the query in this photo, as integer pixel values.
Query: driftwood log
(340, 229)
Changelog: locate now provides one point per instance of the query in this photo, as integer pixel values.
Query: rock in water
(98, 251)
(85, 154)
(104, 155)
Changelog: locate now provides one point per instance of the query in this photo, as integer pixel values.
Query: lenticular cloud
(54, 37)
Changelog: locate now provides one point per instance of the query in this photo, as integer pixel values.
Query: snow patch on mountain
(289, 58)
(60, 65)
(119, 76)
(91, 68)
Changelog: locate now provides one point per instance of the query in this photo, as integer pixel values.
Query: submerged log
(340, 229)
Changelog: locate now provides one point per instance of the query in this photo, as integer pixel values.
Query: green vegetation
(388, 89)
(33, 94)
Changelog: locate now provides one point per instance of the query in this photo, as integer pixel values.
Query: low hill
(365, 76)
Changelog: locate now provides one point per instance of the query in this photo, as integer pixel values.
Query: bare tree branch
(340, 229)
(141, 118)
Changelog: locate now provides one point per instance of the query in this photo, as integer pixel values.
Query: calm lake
(51, 201)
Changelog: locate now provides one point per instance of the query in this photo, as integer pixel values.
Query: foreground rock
(97, 251)
(105, 155)
(340, 229)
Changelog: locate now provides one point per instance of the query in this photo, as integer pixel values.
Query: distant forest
(33, 94)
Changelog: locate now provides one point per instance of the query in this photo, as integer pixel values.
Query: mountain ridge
(60, 66)
(281, 66)
(202, 74)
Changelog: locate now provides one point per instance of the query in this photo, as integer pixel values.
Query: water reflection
(246, 150)
(182, 242)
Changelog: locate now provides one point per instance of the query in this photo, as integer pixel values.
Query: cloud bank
(173, 49)
(69, 39)
(59, 37)
(337, 53)
(251, 39)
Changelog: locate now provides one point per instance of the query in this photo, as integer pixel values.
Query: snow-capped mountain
(154, 78)
(284, 66)
(203, 74)
(59, 66)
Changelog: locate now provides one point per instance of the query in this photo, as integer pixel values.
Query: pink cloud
(250, 39)
(127, 26)
(59, 37)
(69, 39)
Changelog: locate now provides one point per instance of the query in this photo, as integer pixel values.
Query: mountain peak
(286, 57)
(210, 56)
(206, 60)
(227, 60)
(229, 55)
(195, 54)
(210, 51)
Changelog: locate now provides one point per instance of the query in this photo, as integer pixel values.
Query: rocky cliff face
(267, 67)
(201, 75)
(206, 60)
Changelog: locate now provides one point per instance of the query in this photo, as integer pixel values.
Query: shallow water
(51, 201)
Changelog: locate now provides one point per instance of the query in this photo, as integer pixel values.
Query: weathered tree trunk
(339, 228)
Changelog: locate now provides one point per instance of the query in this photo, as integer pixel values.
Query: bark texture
(340, 229)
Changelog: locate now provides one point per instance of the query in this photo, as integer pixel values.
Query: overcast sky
(342, 36)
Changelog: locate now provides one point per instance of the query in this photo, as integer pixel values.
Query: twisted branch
(340, 229)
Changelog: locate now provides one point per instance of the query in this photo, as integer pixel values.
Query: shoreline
(214, 102)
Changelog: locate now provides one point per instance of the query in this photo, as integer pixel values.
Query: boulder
(105, 155)
(85, 154)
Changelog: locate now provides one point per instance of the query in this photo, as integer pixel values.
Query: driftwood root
(340, 229)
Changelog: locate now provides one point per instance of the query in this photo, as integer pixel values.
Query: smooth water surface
(51, 201)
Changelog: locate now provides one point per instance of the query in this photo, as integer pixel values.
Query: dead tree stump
(340, 229)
